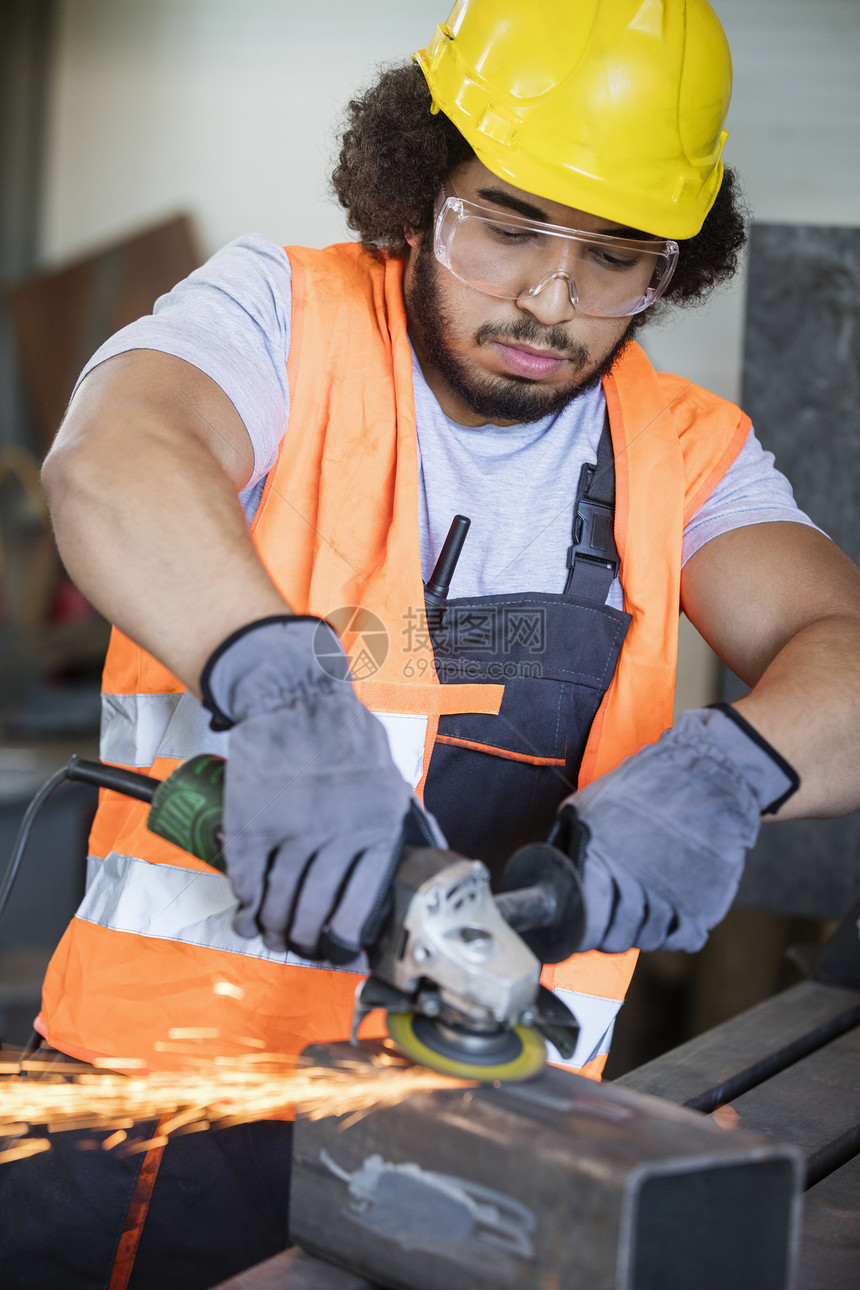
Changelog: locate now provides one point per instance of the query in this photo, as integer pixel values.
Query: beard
(496, 397)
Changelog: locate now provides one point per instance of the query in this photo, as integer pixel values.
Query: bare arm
(780, 604)
(142, 482)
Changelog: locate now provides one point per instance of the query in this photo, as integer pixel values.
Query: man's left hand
(661, 840)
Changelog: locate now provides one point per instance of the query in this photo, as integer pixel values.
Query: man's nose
(552, 301)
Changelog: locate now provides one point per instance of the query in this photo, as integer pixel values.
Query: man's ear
(413, 236)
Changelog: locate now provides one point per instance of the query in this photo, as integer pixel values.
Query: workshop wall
(230, 111)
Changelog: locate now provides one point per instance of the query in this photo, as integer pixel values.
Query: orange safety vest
(151, 953)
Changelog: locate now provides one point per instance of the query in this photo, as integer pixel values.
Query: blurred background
(137, 138)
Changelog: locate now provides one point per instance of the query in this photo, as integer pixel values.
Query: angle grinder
(455, 966)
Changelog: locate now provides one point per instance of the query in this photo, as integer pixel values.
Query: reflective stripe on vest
(138, 728)
(348, 471)
(190, 907)
(596, 1017)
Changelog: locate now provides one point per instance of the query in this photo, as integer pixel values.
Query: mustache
(529, 332)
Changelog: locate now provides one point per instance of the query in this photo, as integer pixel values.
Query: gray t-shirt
(231, 319)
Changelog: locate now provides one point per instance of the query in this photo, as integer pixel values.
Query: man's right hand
(314, 805)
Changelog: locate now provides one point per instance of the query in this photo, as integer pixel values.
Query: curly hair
(395, 155)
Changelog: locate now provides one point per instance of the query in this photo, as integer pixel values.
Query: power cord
(24, 833)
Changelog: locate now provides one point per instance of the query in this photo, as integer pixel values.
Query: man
(524, 195)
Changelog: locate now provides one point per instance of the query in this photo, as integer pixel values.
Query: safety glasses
(512, 257)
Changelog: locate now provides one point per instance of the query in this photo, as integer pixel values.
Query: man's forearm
(149, 526)
(780, 605)
(807, 705)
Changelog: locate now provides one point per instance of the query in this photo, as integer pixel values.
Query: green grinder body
(187, 808)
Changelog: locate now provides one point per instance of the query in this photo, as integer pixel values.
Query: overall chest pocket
(495, 782)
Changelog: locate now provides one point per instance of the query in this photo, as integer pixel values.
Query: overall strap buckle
(592, 557)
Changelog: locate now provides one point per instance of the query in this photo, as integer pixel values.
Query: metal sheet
(722, 1064)
(815, 1103)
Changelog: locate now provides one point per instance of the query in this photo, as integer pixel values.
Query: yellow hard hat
(615, 107)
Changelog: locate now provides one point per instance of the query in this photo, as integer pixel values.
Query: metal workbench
(789, 1067)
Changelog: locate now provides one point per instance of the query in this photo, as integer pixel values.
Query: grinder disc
(514, 1054)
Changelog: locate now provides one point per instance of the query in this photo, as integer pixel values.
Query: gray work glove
(313, 803)
(660, 841)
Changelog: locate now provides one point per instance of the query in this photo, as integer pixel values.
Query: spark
(228, 988)
(726, 1116)
(201, 1093)
(27, 1147)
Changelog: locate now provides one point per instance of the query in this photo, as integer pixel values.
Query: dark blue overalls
(496, 782)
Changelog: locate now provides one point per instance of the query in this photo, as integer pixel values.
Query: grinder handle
(541, 898)
(528, 909)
